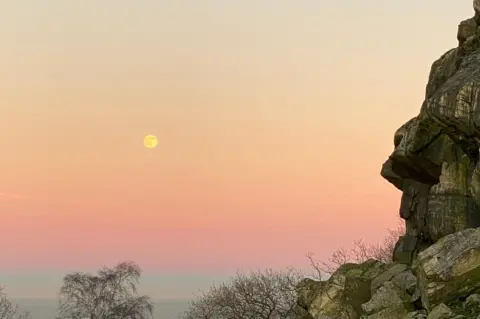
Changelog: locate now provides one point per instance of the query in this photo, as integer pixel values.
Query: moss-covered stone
(346, 290)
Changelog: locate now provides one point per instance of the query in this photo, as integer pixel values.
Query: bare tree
(360, 253)
(9, 310)
(111, 294)
(203, 307)
(256, 295)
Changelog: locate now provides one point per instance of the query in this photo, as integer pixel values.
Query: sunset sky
(273, 120)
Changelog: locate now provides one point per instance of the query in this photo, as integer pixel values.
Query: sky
(273, 120)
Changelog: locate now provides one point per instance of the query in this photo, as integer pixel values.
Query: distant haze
(273, 119)
(46, 308)
(38, 285)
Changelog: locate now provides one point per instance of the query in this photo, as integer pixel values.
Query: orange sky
(273, 121)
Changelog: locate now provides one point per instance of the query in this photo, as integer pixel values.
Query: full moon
(150, 141)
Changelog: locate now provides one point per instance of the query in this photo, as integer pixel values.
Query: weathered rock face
(435, 162)
(436, 166)
(343, 293)
(448, 283)
(368, 290)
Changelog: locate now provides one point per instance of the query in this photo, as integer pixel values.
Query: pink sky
(273, 121)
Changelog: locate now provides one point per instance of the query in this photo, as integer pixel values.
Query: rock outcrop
(344, 292)
(436, 166)
(446, 285)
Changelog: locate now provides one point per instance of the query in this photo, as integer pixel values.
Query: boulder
(346, 290)
(390, 272)
(450, 268)
(441, 312)
(389, 301)
(406, 281)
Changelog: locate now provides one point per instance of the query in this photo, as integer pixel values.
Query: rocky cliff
(436, 166)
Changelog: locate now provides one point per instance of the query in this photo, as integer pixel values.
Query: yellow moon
(150, 141)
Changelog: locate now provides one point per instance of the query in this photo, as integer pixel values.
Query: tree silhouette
(9, 310)
(265, 294)
(111, 294)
